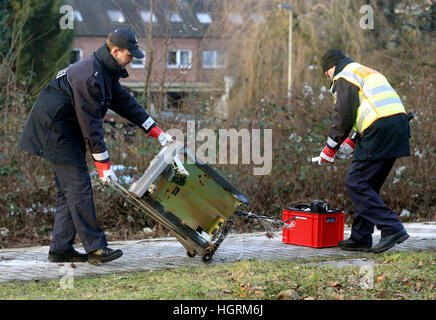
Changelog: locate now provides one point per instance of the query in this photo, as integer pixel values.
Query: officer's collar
(104, 57)
(341, 65)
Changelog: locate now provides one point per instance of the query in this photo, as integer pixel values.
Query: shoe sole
(356, 249)
(59, 260)
(401, 239)
(96, 261)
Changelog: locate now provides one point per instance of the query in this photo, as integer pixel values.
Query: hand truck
(190, 199)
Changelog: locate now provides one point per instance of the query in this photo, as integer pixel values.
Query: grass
(391, 276)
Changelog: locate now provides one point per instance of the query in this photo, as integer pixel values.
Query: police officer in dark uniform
(66, 118)
(366, 103)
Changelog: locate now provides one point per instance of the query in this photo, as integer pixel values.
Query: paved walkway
(165, 253)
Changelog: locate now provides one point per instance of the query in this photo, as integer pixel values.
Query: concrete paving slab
(167, 253)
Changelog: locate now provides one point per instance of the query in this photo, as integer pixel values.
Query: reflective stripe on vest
(377, 99)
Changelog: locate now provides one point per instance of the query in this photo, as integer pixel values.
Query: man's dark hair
(110, 44)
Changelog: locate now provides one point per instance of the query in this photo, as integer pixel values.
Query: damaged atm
(188, 197)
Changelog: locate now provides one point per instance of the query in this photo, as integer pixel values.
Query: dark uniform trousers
(364, 180)
(75, 210)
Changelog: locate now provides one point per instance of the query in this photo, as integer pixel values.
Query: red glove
(346, 149)
(155, 132)
(327, 155)
(105, 172)
(103, 165)
(162, 136)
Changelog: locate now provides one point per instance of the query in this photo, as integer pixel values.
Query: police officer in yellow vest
(365, 103)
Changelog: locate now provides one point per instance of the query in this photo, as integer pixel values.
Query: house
(182, 54)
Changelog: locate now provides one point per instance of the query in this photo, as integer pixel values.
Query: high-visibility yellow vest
(376, 96)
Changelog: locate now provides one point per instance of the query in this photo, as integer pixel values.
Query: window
(146, 16)
(204, 17)
(174, 17)
(76, 55)
(177, 59)
(257, 18)
(235, 18)
(116, 16)
(214, 59)
(77, 16)
(138, 63)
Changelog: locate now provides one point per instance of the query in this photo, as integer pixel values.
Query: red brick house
(183, 58)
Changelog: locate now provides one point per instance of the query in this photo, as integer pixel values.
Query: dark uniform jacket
(386, 138)
(68, 114)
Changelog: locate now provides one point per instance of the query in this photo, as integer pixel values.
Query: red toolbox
(316, 225)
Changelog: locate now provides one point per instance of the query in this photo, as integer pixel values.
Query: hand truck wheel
(207, 257)
(191, 254)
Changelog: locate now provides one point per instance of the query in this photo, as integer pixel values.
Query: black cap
(331, 58)
(126, 39)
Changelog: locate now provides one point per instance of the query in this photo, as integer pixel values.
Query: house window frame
(143, 14)
(236, 18)
(257, 18)
(202, 16)
(174, 17)
(109, 11)
(80, 50)
(178, 64)
(215, 64)
(77, 16)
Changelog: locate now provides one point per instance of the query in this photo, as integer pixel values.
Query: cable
(284, 224)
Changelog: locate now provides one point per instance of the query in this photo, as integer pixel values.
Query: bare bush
(257, 60)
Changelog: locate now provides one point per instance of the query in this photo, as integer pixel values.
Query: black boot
(351, 245)
(105, 254)
(72, 256)
(388, 242)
